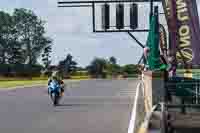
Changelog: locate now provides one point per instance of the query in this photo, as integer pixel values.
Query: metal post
(151, 8)
(183, 109)
(93, 17)
(132, 36)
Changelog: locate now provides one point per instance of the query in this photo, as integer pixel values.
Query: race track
(90, 106)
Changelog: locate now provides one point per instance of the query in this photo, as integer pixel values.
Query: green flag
(153, 58)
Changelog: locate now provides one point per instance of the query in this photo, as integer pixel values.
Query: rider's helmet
(55, 75)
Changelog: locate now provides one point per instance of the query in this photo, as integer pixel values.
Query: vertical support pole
(163, 119)
(173, 35)
(151, 9)
(156, 13)
(183, 109)
(93, 17)
(198, 87)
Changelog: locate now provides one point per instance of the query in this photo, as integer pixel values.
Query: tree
(113, 68)
(6, 35)
(15, 55)
(46, 56)
(30, 30)
(98, 67)
(131, 69)
(22, 40)
(11, 52)
(67, 66)
(113, 60)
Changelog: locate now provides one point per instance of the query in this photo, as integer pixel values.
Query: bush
(20, 70)
(131, 69)
(4, 69)
(80, 73)
(80, 77)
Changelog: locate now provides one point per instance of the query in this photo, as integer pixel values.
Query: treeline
(103, 68)
(98, 68)
(22, 42)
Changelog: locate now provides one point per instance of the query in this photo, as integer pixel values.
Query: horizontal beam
(124, 26)
(101, 1)
(76, 6)
(103, 31)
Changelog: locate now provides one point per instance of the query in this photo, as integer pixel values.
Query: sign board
(184, 30)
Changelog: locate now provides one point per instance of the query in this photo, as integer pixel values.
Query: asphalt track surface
(93, 106)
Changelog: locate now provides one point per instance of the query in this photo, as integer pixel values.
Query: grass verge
(7, 84)
(10, 84)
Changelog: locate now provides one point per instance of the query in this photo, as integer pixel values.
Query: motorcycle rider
(56, 77)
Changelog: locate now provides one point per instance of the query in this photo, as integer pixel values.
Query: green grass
(11, 84)
(80, 77)
(21, 79)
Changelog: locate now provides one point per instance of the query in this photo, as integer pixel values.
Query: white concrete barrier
(141, 111)
(132, 122)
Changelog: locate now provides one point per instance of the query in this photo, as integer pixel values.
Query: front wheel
(54, 99)
(55, 102)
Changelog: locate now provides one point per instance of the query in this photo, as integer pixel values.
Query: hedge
(20, 70)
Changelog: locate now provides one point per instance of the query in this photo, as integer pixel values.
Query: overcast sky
(71, 30)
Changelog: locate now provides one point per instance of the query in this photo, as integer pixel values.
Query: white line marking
(133, 113)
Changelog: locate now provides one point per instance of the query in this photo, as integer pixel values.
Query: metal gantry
(92, 4)
(107, 27)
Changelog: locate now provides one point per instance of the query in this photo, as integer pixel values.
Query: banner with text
(184, 30)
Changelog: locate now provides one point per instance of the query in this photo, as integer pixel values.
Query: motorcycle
(54, 90)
